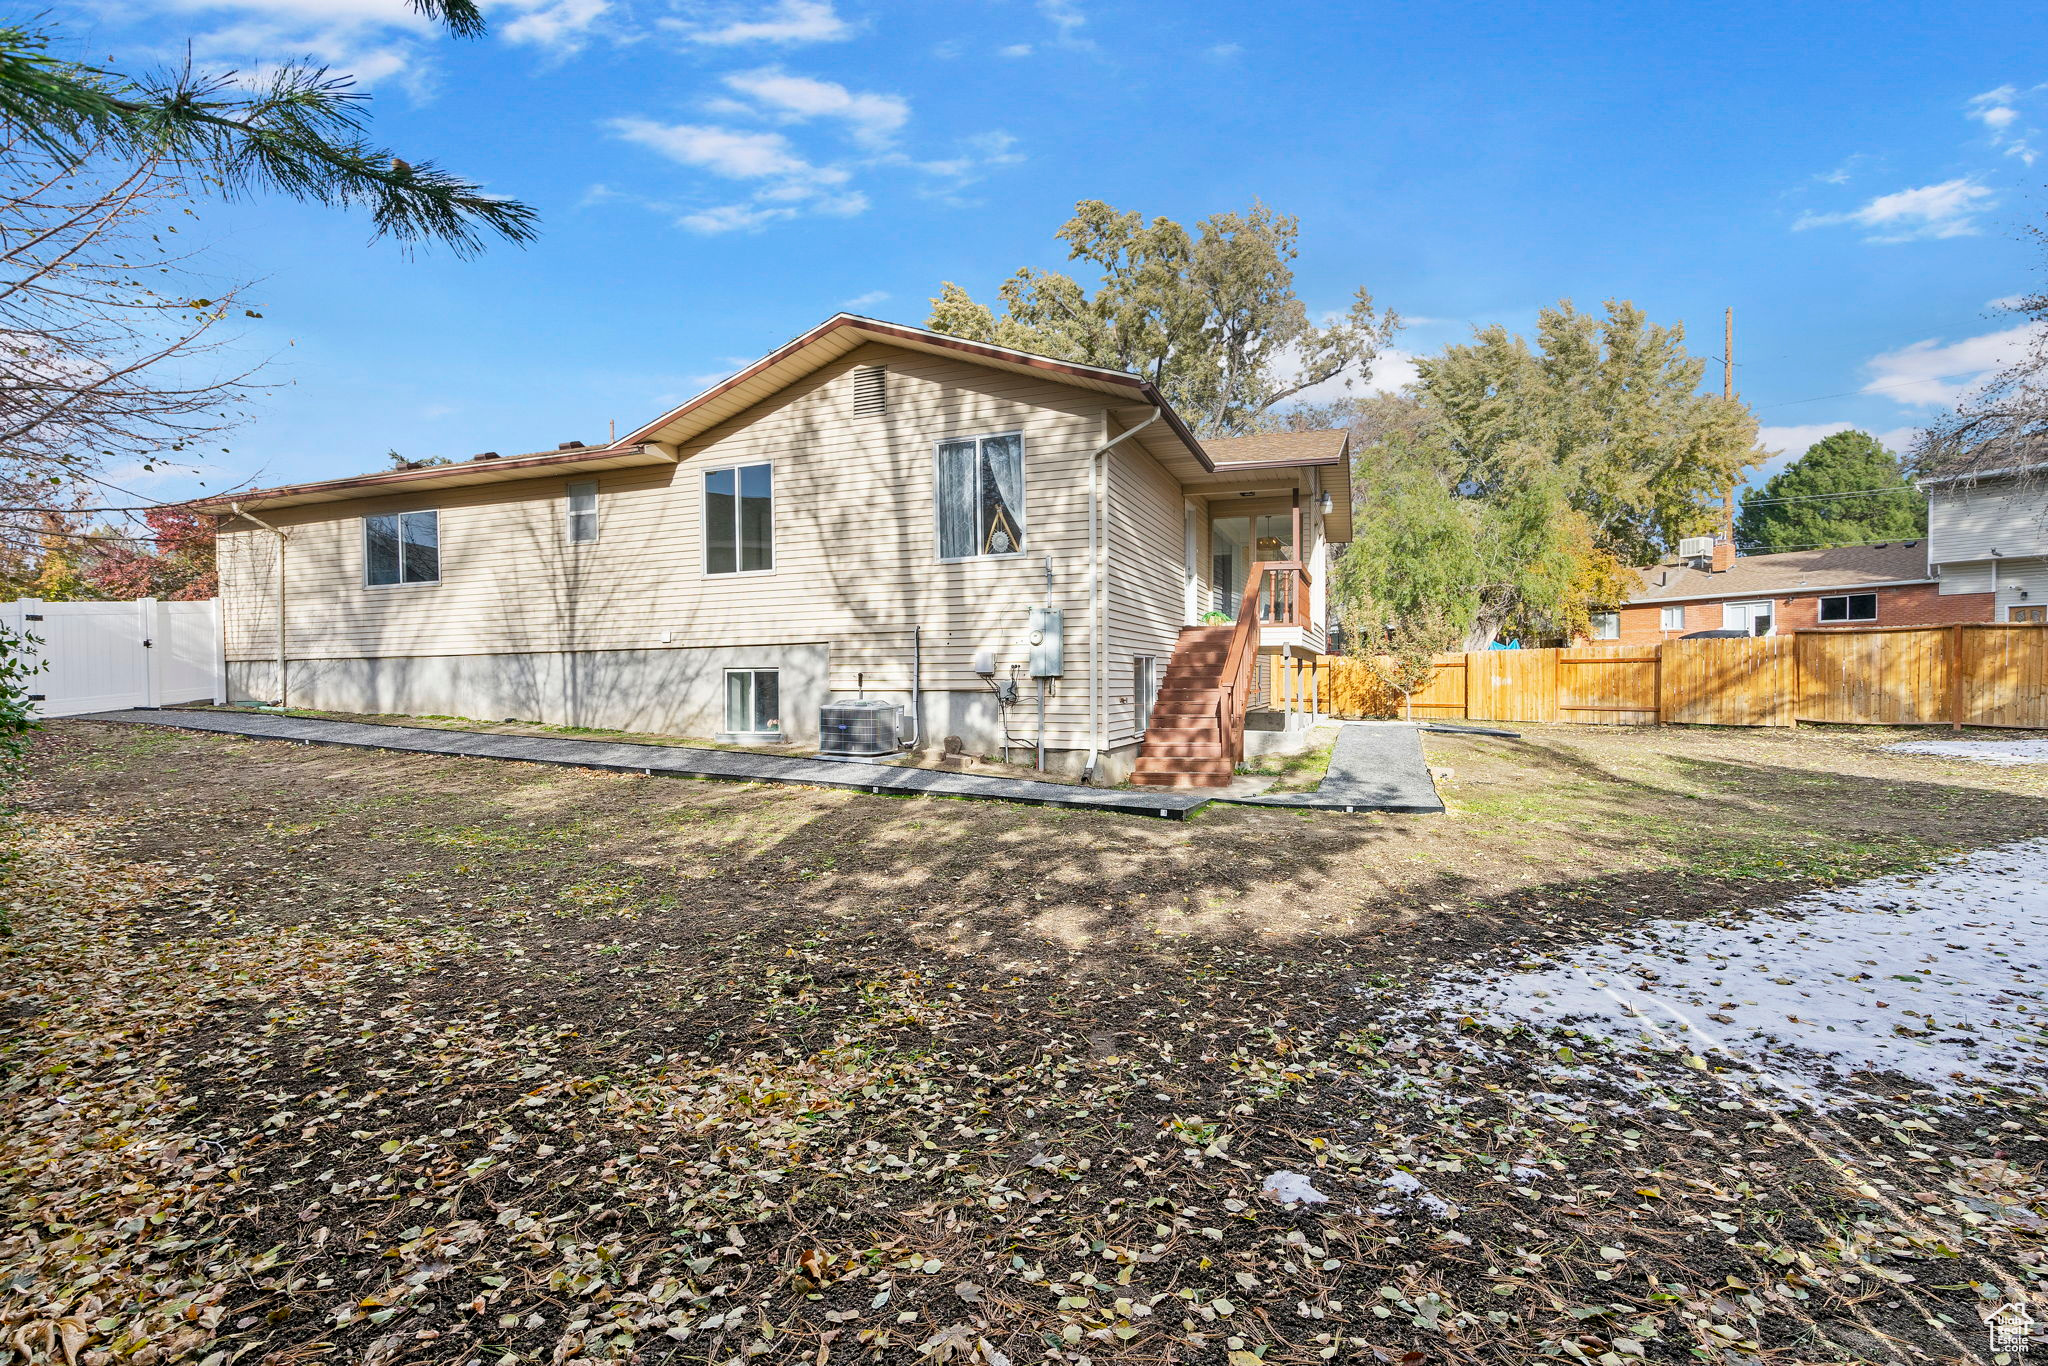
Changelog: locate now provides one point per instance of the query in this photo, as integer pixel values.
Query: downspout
(283, 686)
(916, 693)
(1098, 593)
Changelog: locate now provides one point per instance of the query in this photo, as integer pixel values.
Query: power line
(1816, 497)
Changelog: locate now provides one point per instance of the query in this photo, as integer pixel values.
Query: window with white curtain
(980, 496)
(583, 510)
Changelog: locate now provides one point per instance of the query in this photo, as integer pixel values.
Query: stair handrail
(1236, 675)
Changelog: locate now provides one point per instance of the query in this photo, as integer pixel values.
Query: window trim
(1023, 496)
(1819, 609)
(569, 512)
(704, 569)
(1664, 617)
(402, 581)
(753, 695)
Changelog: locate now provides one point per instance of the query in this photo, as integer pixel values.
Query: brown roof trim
(425, 473)
(1141, 387)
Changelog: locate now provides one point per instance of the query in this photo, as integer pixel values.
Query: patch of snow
(1984, 751)
(1292, 1188)
(1940, 976)
(1408, 1184)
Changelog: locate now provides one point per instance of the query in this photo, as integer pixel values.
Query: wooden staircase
(1186, 744)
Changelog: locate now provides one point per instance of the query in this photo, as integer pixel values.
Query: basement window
(1849, 607)
(753, 701)
(402, 547)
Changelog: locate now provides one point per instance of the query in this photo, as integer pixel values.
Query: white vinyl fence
(103, 656)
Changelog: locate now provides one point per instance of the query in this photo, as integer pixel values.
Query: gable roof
(657, 442)
(1791, 571)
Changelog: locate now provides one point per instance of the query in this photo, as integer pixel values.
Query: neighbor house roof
(659, 441)
(1791, 571)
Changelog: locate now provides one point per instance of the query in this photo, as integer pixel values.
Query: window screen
(583, 511)
(402, 547)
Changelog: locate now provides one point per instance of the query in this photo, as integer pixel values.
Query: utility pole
(1728, 392)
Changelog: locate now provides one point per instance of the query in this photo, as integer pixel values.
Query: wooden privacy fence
(1980, 675)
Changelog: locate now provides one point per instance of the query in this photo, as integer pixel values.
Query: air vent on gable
(870, 391)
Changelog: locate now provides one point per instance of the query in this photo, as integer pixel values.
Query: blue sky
(713, 178)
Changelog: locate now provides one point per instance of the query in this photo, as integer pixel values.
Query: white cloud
(1065, 15)
(1934, 374)
(871, 118)
(1948, 209)
(560, 26)
(867, 300)
(1016, 50)
(735, 153)
(789, 21)
(1794, 440)
(1224, 52)
(1998, 110)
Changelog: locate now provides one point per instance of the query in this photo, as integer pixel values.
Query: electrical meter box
(1047, 638)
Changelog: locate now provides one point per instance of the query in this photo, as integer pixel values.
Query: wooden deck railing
(1270, 586)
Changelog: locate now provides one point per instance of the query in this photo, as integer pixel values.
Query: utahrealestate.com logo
(2011, 1327)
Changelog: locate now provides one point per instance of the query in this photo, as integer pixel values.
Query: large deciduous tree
(2003, 424)
(1526, 479)
(1847, 489)
(1210, 317)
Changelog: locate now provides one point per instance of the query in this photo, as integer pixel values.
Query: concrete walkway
(1374, 766)
(1370, 770)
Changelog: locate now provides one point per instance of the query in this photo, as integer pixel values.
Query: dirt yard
(324, 1055)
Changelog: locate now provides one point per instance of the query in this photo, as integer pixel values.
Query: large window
(402, 547)
(1606, 625)
(1849, 607)
(739, 520)
(1672, 619)
(753, 702)
(981, 496)
(583, 510)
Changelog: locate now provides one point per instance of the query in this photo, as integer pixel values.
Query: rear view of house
(871, 512)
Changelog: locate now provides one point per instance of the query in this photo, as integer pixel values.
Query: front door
(1751, 618)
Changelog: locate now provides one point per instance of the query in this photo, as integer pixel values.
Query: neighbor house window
(1673, 618)
(1849, 607)
(981, 496)
(1607, 626)
(753, 701)
(583, 511)
(402, 547)
(739, 520)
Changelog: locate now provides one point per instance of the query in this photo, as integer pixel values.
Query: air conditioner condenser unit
(862, 729)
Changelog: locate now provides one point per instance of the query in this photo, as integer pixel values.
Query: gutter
(1098, 591)
(283, 683)
(1780, 591)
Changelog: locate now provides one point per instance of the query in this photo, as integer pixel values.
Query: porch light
(1328, 503)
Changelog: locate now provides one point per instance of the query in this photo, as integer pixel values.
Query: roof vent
(870, 391)
(570, 446)
(487, 455)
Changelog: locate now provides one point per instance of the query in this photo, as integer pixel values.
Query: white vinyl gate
(103, 656)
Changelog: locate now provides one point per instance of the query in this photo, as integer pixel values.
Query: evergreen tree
(1816, 515)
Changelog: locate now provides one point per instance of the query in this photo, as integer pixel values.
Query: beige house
(873, 510)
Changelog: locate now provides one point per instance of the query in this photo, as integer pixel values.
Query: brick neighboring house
(1887, 584)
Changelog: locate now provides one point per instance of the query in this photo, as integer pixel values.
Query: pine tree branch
(301, 135)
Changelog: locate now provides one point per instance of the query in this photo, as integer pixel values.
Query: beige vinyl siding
(1970, 521)
(856, 562)
(1147, 576)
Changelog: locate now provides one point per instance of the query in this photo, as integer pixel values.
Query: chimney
(1724, 557)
